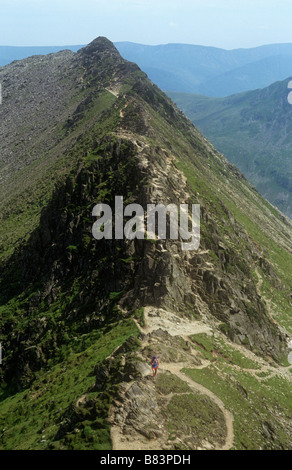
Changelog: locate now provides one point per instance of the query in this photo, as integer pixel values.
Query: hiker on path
(155, 365)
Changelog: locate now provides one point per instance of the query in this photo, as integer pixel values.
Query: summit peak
(99, 45)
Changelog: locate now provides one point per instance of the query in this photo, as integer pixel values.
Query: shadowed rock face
(109, 131)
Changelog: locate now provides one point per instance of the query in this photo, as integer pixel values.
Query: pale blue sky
(222, 23)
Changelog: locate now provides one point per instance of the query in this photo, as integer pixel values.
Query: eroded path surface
(140, 419)
(163, 331)
(175, 326)
(176, 370)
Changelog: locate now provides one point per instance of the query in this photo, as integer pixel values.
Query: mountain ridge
(80, 318)
(183, 67)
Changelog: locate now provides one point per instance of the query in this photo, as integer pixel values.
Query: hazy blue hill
(190, 65)
(251, 76)
(254, 131)
(209, 70)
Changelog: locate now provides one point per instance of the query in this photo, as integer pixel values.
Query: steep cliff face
(72, 306)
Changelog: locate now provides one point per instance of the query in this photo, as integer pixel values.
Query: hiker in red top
(155, 365)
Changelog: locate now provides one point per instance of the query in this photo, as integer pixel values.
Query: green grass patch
(30, 420)
(167, 383)
(255, 405)
(192, 418)
(215, 349)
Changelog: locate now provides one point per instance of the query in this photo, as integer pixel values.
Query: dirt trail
(175, 368)
(172, 323)
(156, 320)
(175, 326)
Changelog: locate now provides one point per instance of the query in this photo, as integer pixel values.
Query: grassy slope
(253, 130)
(255, 396)
(32, 187)
(31, 419)
(34, 415)
(70, 374)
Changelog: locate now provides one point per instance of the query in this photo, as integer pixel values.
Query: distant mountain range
(193, 69)
(254, 131)
(208, 70)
